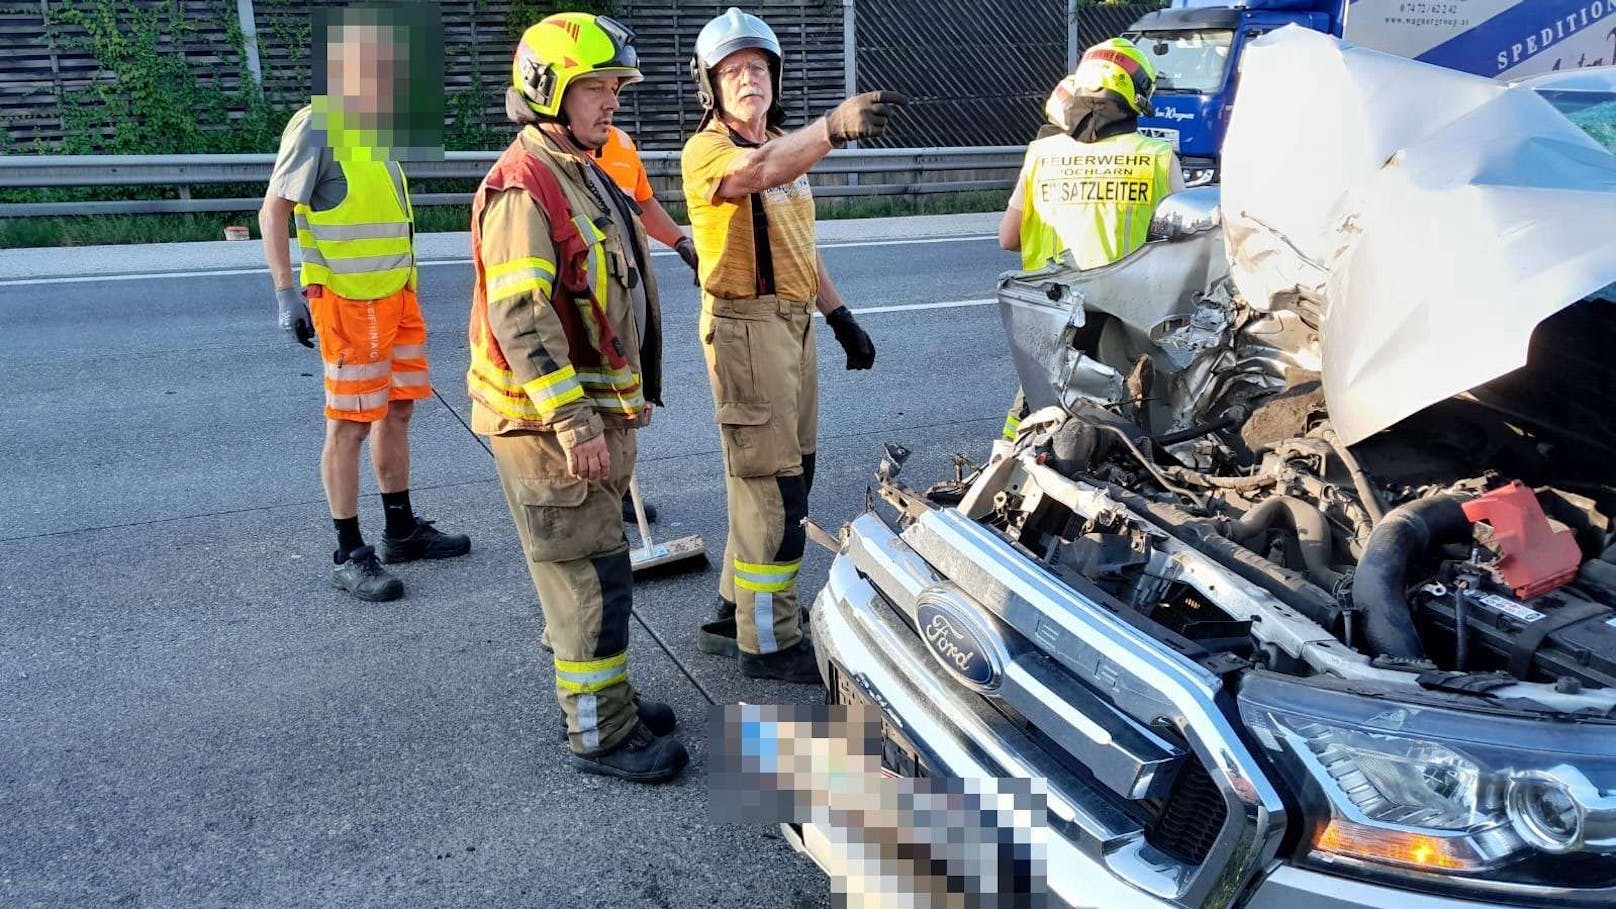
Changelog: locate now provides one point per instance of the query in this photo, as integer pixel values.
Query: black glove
(687, 251)
(860, 349)
(294, 315)
(861, 117)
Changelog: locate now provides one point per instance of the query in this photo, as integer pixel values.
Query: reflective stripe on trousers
(369, 401)
(589, 720)
(589, 676)
(360, 373)
(766, 578)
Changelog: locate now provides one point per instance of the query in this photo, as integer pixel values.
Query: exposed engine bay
(1298, 559)
(1470, 544)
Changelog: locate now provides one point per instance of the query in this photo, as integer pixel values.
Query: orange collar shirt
(621, 161)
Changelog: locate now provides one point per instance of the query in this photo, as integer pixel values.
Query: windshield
(1593, 112)
(1188, 61)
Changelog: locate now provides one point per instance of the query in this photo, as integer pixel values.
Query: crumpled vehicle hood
(1435, 217)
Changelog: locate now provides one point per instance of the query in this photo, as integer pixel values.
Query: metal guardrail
(897, 172)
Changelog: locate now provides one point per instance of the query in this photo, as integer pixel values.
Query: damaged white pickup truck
(1298, 587)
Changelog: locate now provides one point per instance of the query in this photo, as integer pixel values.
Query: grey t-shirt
(306, 170)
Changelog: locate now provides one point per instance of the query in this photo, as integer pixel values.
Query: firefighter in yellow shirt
(752, 215)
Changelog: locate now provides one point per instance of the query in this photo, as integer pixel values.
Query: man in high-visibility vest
(355, 231)
(566, 344)
(1088, 191)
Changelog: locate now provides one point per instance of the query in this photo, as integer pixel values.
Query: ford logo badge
(956, 641)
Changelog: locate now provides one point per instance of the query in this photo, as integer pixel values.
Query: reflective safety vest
(1093, 198)
(362, 249)
(597, 368)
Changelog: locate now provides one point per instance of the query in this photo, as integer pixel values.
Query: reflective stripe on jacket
(534, 386)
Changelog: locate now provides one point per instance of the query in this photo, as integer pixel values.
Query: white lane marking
(909, 307)
(148, 276)
(847, 244)
(223, 272)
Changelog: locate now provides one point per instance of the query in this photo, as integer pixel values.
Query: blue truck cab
(1195, 46)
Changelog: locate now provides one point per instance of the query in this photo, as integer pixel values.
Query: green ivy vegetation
(155, 103)
(524, 13)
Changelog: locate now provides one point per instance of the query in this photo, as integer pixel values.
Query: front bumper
(1094, 853)
(955, 734)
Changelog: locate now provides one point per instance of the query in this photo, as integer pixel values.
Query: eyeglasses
(758, 70)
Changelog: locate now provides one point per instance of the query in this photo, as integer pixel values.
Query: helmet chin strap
(565, 123)
(573, 137)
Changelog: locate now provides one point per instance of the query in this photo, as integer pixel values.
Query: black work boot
(364, 577)
(793, 664)
(641, 757)
(629, 517)
(657, 717)
(424, 542)
(718, 635)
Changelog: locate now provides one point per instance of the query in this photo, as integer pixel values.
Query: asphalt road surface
(191, 716)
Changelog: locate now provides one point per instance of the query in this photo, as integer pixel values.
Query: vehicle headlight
(1200, 176)
(1444, 798)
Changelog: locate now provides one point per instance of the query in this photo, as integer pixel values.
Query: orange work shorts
(374, 352)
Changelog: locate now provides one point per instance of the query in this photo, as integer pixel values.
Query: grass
(95, 230)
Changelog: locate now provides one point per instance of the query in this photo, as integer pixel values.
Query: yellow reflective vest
(1093, 198)
(362, 249)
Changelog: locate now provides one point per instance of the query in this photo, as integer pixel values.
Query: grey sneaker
(362, 575)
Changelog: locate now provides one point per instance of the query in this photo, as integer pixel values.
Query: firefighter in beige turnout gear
(752, 216)
(565, 343)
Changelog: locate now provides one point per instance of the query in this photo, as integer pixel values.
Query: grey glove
(861, 116)
(687, 251)
(294, 313)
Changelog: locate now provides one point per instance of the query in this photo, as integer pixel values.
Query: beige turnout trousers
(572, 534)
(765, 380)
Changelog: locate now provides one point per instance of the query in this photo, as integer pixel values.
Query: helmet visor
(625, 62)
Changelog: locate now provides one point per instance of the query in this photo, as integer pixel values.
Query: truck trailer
(1196, 46)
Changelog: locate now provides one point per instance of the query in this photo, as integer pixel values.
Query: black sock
(400, 518)
(348, 537)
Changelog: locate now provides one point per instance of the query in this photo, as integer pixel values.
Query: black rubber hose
(1194, 432)
(1405, 534)
(1312, 533)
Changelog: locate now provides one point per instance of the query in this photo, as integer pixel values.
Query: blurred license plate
(897, 755)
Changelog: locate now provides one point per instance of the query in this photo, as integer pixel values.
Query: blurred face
(589, 105)
(363, 62)
(745, 88)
